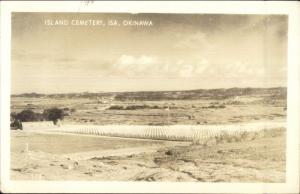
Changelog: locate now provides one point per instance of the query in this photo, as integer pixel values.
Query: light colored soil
(62, 143)
(71, 157)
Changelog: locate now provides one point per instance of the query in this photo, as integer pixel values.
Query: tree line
(27, 115)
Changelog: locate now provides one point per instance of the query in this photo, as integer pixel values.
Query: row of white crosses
(173, 132)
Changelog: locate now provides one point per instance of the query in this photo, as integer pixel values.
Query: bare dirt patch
(260, 160)
(62, 143)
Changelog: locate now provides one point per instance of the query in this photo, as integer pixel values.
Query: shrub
(132, 107)
(27, 115)
(115, 107)
(24, 116)
(215, 106)
(13, 116)
(16, 124)
(155, 107)
(54, 114)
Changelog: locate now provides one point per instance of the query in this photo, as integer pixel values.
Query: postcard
(154, 97)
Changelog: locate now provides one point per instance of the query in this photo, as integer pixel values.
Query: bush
(134, 107)
(23, 116)
(53, 114)
(215, 106)
(115, 107)
(16, 124)
(27, 115)
(13, 116)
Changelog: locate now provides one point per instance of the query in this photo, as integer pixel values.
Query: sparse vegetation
(224, 156)
(215, 106)
(163, 107)
(134, 107)
(225, 137)
(147, 160)
(28, 115)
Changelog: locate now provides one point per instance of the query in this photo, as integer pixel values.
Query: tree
(53, 114)
(17, 124)
(13, 116)
(26, 115)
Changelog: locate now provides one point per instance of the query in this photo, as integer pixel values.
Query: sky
(176, 52)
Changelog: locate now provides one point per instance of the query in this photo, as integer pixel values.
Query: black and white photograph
(149, 97)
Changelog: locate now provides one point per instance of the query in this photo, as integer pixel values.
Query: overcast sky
(178, 52)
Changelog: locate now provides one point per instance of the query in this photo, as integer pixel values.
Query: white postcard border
(292, 167)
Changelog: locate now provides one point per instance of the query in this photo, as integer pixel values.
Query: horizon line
(89, 92)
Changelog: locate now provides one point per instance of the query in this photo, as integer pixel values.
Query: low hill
(274, 93)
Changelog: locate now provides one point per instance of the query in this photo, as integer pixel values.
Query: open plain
(44, 155)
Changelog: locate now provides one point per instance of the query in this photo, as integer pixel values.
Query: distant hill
(275, 93)
(202, 94)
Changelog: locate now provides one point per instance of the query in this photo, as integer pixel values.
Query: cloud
(189, 69)
(141, 61)
(135, 65)
(153, 66)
